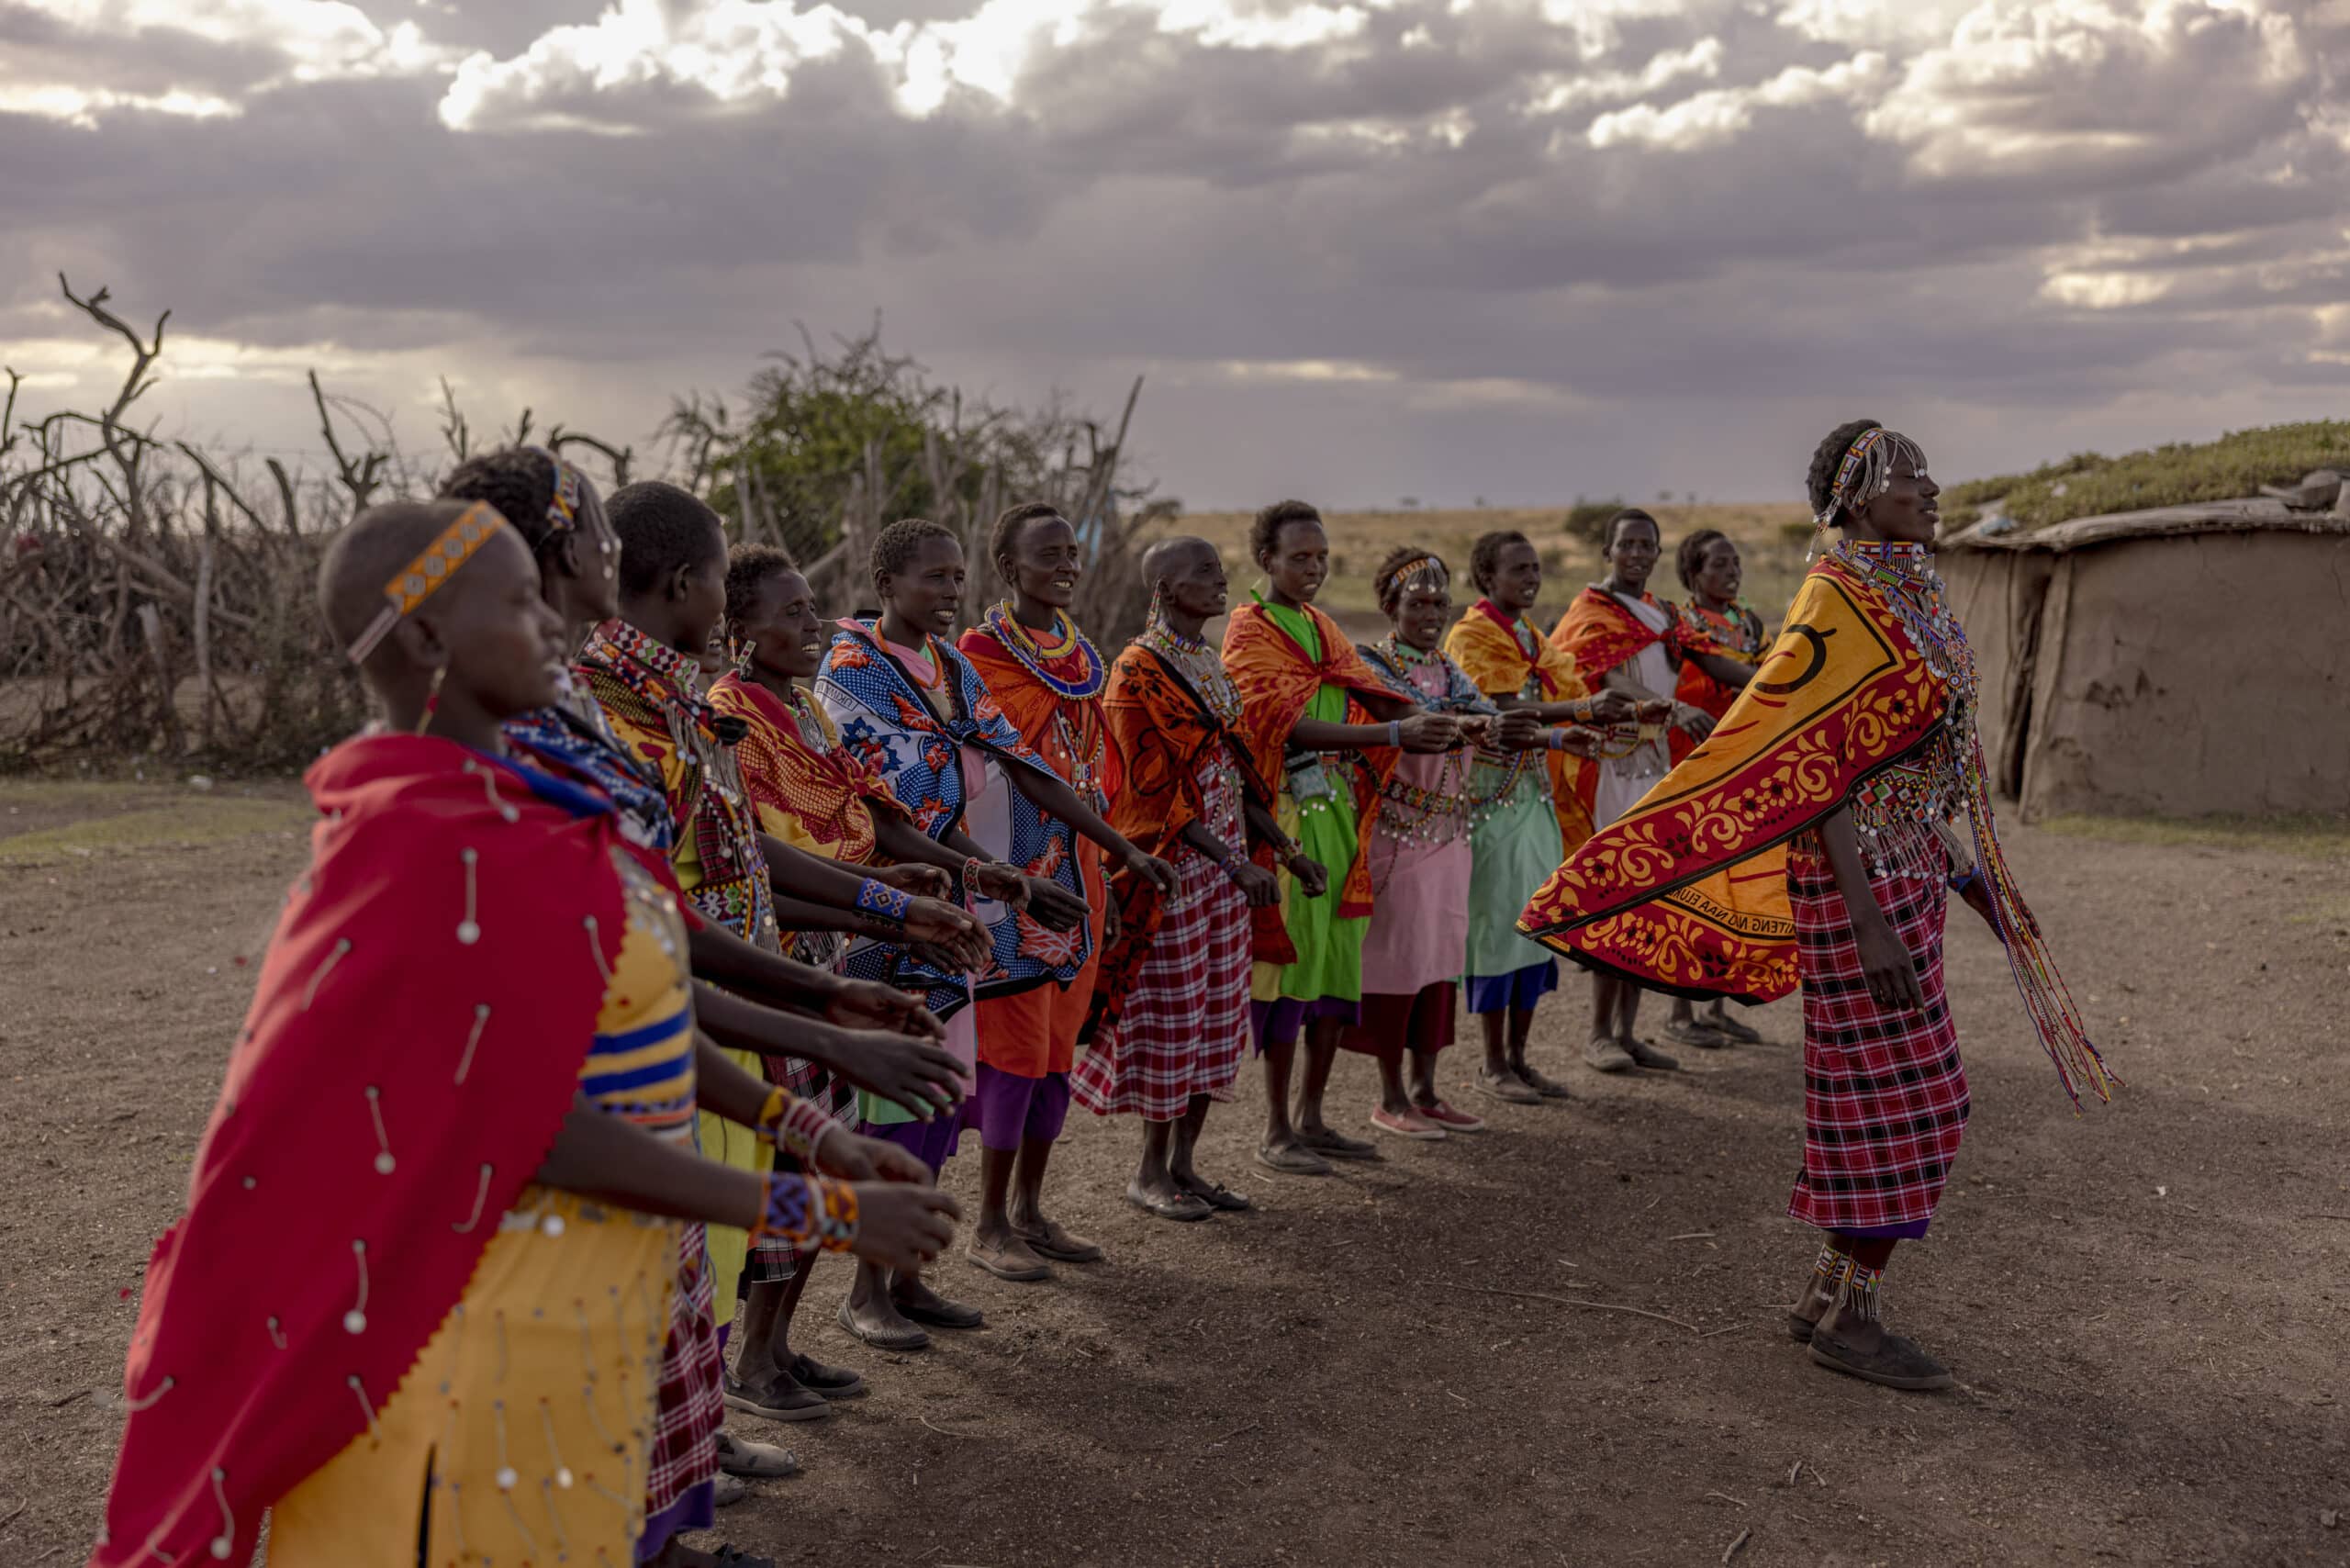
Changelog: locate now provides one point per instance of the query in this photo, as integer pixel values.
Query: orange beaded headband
(416, 582)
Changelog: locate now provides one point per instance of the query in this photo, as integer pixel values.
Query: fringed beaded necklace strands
(1903, 575)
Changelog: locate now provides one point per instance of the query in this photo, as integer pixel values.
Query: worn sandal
(1511, 1088)
(906, 1339)
(1185, 1207)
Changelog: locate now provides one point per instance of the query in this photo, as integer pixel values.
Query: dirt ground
(2142, 1304)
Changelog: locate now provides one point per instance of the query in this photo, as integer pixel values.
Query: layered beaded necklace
(1058, 644)
(1913, 590)
(1413, 813)
(1198, 664)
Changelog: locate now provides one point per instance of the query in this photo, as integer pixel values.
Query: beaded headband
(563, 512)
(1866, 471)
(1421, 572)
(414, 583)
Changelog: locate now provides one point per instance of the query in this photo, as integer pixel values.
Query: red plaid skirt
(684, 1437)
(1185, 1026)
(1883, 1093)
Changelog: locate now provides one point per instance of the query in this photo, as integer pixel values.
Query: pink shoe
(1406, 1123)
(1452, 1121)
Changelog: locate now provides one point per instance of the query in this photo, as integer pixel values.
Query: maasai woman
(1856, 741)
(1526, 811)
(563, 520)
(1419, 858)
(1170, 1017)
(911, 708)
(813, 792)
(1047, 678)
(1709, 568)
(555, 507)
(644, 670)
(1307, 696)
(464, 1155)
(1621, 638)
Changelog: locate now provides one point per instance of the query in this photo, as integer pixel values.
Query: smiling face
(785, 634)
(1298, 562)
(1908, 511)
(927, 595)
(1631, 553)
(1043, 564)
(1423, 611)
(1194, 587)
(1517, 578)
(1719, 573)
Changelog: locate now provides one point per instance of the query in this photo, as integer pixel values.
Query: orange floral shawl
(1275, 681)
(1499, 653)
(820, 796)
(1686, 892)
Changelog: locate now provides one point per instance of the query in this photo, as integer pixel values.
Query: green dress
(1514, 835)
(1329, 950)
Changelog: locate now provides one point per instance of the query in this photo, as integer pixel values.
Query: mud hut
(2178, 661)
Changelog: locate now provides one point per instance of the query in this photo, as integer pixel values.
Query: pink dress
(1420, 864)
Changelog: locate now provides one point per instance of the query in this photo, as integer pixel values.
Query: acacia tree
(832, 445)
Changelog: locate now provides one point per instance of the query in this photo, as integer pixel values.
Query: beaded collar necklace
(1913, 590)
(659, 674)
(1403, 655)
(1038, 650)
(1198, 664)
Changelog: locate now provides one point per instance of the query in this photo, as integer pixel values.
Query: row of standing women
(608, 998)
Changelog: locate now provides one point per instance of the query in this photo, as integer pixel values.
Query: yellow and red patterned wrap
(1686, 892)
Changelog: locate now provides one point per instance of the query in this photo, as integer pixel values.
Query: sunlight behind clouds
(1370, 218)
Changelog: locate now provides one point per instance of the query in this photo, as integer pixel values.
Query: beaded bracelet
(972, 867)
(1556, 740)
(1395, 732)
(808, 1211)
(794, 1125)
(882, 901)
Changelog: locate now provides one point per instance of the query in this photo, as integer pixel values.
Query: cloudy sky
(1362, 249)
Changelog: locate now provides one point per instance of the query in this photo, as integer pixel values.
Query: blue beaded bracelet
(882, 901)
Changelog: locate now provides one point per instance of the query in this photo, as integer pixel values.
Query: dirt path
(2143, 1312)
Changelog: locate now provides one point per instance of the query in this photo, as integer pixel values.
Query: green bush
(2089, 484)
(1587, 519)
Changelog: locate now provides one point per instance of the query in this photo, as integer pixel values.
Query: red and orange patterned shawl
(1160, 729)
(1685, 893)
(1494, 653)
(824, 794)
(1275, 681)
(1598, 633)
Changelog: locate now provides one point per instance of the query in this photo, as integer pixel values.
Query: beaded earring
(431, 699)
(741, 656)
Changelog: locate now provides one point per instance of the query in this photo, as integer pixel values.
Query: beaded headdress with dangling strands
(1865, 474)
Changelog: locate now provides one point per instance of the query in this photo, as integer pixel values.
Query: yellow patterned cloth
(1686, 891)
(525, 1428)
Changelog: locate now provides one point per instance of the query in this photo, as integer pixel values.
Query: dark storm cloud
(1441, 214)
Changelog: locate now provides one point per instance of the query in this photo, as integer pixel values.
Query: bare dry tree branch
(455, 433)
(286, 497)
(359, 478)
(621, 458)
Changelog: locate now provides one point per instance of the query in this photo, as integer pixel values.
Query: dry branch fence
(157, 599)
